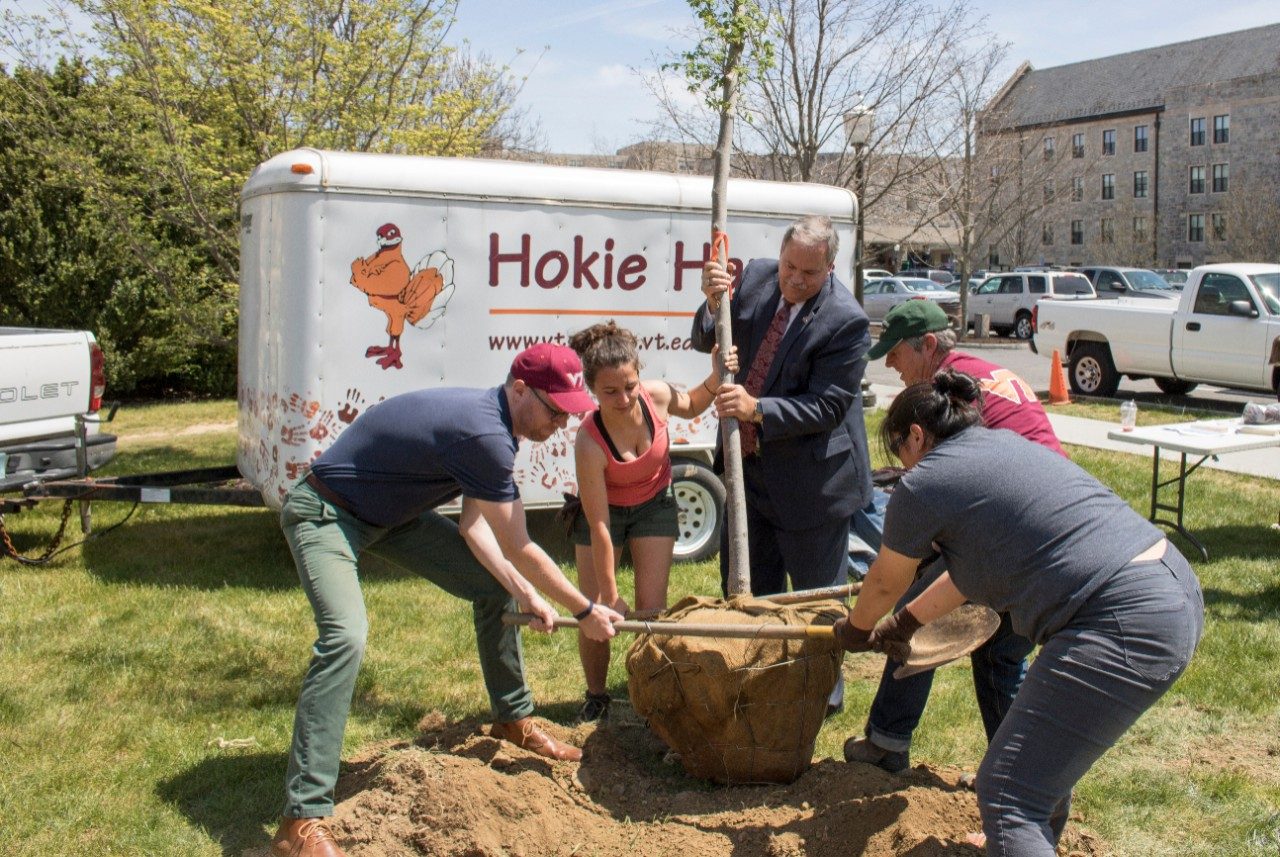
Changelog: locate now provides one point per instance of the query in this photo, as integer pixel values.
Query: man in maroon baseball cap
(556, 371)
(376, 490)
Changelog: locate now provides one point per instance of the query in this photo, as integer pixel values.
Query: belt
(330, 496)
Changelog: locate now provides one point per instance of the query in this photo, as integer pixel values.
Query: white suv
(1009, 298)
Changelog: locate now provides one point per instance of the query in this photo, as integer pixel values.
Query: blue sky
(586, 89)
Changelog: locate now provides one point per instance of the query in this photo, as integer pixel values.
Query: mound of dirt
(456, 792)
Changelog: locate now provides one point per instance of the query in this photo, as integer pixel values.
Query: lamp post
(857, 130)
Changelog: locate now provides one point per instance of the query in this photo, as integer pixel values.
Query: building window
(1195, 227)
(1140, 138)
(1046, 234)
(1108, 142)
(1218, 222)
(1139, 229)
(1077, 189)
(1048, 148)
(1197, 132)
(995, 174)
(1077, 232)
(1109, 186)
(1107, 231)
(1197, 180)
(1077, 145)
(1220, 177)
(1048, 190)
(1221, 129)
(993, 256)
(1140, 184)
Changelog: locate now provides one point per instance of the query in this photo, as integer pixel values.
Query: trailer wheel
(1092, 372)
(1173, 387)
(700, 496)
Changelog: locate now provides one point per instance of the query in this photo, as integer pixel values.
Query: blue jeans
(1091, 681)
(865, 528)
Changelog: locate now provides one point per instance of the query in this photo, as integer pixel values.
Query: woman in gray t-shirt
(1115, 607)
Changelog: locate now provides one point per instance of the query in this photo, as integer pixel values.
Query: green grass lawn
(147, 679)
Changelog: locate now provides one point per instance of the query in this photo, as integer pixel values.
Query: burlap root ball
(737, 711)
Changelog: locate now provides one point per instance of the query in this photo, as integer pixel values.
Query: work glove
(851, 638)
(892, 635)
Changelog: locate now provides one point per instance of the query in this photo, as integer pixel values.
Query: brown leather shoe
(305, 837)
(523, 733)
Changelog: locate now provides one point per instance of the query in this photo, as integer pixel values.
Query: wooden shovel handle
(695, 629)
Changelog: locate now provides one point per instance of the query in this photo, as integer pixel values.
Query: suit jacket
(813, 442)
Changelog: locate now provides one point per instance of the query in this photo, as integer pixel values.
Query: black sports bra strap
(648, 417)
(604, 433)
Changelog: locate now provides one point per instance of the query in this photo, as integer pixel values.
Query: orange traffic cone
(1058, 394)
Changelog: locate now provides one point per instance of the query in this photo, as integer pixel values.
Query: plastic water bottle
(1128, 415)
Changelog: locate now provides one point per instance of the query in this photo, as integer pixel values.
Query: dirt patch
(456, 792)
(198, 428)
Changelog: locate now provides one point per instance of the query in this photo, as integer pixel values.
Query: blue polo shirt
(419, 450)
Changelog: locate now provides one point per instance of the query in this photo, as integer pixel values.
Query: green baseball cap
(915, 317)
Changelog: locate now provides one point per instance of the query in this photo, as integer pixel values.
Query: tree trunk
(739, 582)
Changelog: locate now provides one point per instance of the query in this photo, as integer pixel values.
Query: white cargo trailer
(365, 276)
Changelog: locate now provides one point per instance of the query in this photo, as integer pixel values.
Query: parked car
(1008, 299)
(880, 296)
(1110, 282)
(936, 274)
(875, 274)
(974, 282)
(1175, 277)
(1224, 329)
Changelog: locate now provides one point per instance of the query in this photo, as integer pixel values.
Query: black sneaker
(594, 708)
(862, 750)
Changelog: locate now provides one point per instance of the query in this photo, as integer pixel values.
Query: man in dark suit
(802, 340)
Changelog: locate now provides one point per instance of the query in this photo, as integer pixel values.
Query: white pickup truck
(51, 387)
(1224, 330)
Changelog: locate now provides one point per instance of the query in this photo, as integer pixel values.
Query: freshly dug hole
(737, 711)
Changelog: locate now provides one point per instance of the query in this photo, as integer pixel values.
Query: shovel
(952, 636)
(949, 637)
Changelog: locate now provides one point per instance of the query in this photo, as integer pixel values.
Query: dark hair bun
(604, 345)
(957, 386)
(584, 340)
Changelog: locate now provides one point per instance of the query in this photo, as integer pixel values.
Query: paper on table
(1268, 429)
(1200, 429)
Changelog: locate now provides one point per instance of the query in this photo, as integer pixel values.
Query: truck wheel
(1022, 325)
(1172, 387)
(700, 496)
(1092, 372)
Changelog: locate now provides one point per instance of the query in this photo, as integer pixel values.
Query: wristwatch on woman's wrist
(757, 416)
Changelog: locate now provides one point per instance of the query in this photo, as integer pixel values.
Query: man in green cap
(917, 341)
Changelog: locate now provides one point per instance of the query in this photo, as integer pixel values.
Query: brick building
(1165, 157)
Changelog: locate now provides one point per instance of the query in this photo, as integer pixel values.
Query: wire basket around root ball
(737, 711)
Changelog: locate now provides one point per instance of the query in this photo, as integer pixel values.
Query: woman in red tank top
(624, 484)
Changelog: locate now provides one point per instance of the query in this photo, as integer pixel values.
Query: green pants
(326, 543)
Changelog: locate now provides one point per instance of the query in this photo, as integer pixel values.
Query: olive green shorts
(658, 516)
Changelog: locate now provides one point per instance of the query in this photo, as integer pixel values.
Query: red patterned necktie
(760, 370)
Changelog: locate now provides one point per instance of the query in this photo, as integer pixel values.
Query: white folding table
(1204, 438)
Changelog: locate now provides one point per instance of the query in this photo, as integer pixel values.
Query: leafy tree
(173, 104)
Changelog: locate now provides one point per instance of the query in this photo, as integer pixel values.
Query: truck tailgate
(44, 382)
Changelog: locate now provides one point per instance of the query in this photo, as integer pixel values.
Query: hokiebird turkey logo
(418, 297)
